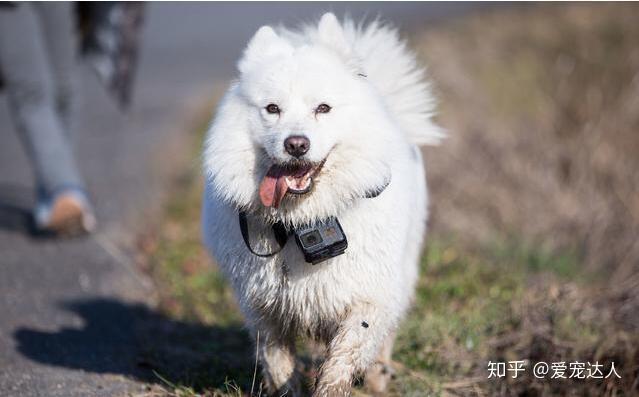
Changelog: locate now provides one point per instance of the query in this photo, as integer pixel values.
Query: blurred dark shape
(5, 4)
(109, 39)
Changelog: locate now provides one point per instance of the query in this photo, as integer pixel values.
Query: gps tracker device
(318, 241)
(321, 241)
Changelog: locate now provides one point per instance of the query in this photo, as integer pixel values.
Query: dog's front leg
(277, 358)
(379, 373)
(352, 350)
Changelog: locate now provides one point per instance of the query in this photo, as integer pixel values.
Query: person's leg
(58, 27)
(31, 93)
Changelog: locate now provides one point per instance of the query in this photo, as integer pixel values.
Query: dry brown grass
(542, 107)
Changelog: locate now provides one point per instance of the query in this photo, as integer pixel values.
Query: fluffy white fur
(381, 109)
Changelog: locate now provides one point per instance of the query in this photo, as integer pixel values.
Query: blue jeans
(37, 60)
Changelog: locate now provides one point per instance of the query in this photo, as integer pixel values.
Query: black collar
(279, 230)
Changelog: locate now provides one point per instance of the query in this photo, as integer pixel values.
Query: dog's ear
(265, 43)
(331, 34)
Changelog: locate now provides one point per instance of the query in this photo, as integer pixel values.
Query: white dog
(319, 121)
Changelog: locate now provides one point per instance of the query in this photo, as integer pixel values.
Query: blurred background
(533, 245)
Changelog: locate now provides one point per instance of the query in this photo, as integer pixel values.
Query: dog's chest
(308, 297)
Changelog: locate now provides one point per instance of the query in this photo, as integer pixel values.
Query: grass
(532, 251)
(540, 104)
(464, 301)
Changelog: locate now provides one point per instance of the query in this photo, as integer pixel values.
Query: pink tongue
(273, 187)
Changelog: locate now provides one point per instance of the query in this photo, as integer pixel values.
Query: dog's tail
(389, 64)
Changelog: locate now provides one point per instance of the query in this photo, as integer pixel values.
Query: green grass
(464, 299)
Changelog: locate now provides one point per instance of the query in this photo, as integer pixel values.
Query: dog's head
(302, 130)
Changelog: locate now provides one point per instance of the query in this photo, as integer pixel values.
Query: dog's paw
(377, 378)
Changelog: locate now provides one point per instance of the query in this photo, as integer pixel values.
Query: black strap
(281, 235)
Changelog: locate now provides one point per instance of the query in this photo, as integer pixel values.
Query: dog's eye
(323, 108)
(272, 108)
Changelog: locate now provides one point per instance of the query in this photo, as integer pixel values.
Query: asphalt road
(68, 309)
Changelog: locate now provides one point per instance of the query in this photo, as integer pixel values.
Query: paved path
(68, 309)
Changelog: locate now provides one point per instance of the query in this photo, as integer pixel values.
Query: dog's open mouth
(296, 178)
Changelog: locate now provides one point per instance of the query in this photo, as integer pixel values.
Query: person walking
(37, 61)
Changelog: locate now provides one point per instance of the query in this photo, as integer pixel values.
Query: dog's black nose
(297, 145)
